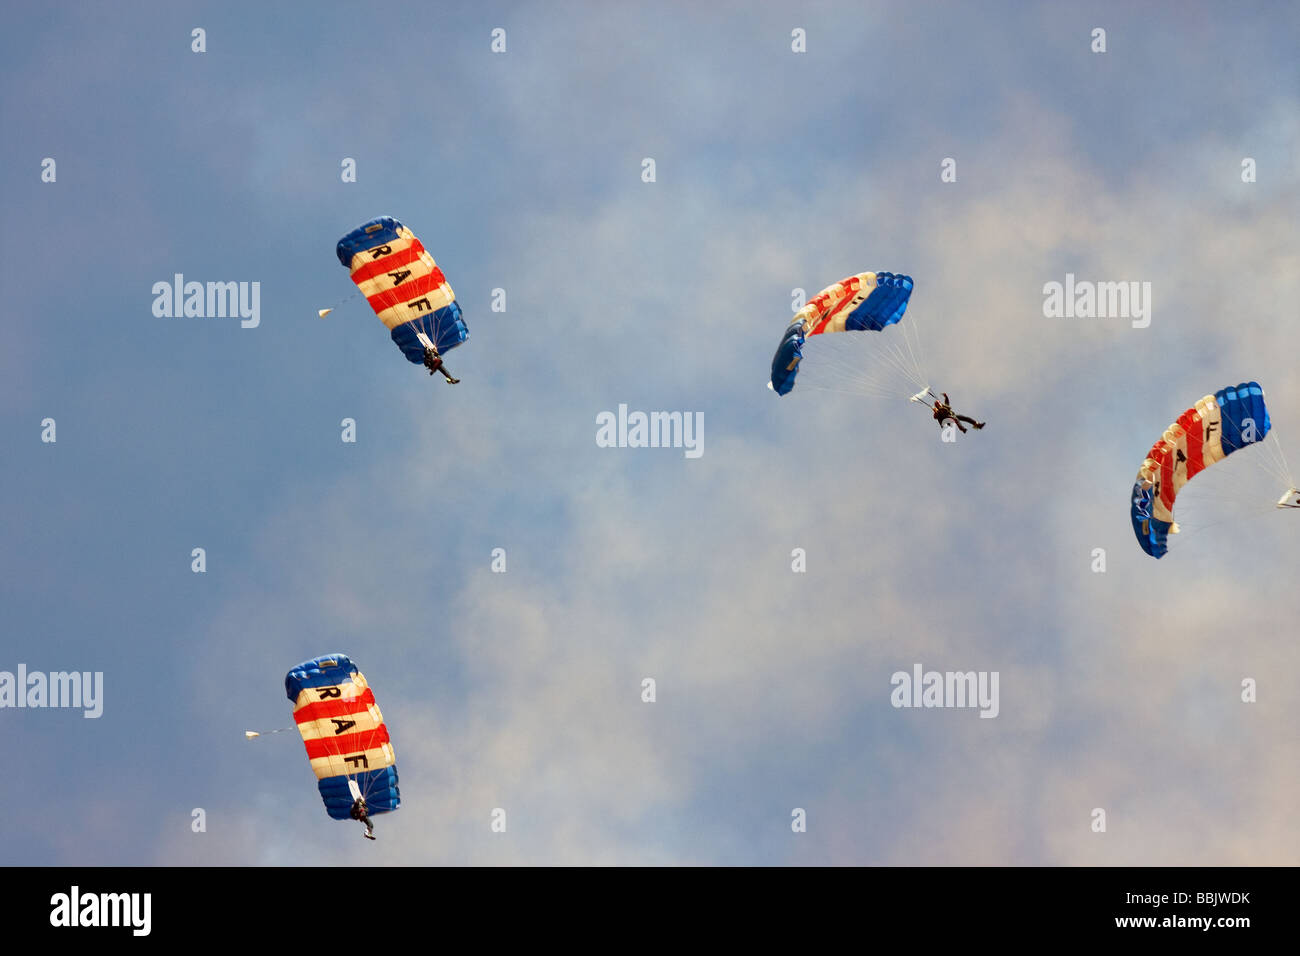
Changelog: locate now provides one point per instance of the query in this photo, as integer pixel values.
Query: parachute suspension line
(343, 301)
(1279, 457)
(250, 734)
(1255, 512)
(906, 363)
(910, 329)
(372, 783)
(1260, 460)
(863, 390)
(840, 363)
(883, 367)
(1239, 507)
(860, 385)
(894, 355)
(1202, 511)
(1282, 455)
(1270, 457)
(353, 778)
(891, 358)
(1243, 501)
(845, 377)
(370, 788)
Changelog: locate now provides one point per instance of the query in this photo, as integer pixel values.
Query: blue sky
(522, 171)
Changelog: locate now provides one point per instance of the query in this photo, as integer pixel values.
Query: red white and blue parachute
(404, 286)
(345, 735)
(866, 302)
(1232, 419)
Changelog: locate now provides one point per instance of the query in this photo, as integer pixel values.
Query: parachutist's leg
(450, 380)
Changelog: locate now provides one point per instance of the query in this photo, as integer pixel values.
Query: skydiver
(943, 411)
(433, 362)
(361, 812)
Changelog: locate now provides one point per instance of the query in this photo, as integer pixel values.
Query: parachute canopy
(404, 286)
(1216, 426)
(866, 302)
(344, 733)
